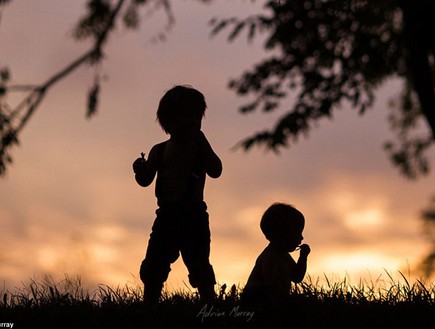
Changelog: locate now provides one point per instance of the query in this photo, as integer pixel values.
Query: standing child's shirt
(178, 181)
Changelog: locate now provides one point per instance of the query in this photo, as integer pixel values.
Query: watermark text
(6, 324)
(207, 312)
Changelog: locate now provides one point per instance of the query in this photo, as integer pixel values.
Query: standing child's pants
(181, 227)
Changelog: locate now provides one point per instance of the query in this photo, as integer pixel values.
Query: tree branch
(29, 105)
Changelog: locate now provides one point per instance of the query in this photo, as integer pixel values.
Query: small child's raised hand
(304, 250)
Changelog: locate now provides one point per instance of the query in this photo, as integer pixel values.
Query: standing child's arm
(301, 265)
(145, 170)
(212, 163)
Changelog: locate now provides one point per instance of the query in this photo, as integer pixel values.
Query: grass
(316, 303)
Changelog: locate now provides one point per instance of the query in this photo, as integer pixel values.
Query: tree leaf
(93, 99)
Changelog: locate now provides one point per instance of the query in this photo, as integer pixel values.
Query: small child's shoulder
(274, 255)
(265, 255)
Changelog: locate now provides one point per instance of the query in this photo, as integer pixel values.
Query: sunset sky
(69, 203)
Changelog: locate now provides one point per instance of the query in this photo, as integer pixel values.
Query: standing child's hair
(180, 100)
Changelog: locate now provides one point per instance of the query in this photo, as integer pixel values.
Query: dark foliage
(428, 216)
(327, 53)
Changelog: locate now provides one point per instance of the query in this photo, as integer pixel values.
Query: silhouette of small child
(182, 222)
(275, 269)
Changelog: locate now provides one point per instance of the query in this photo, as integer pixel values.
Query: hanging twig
(12, 124)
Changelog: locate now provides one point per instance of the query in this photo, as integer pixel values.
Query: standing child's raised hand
(139, 164)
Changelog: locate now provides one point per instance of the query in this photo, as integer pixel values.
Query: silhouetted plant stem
(39, 92)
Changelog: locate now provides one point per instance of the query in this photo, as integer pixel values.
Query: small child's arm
(212, 163)
(145, 170)
(301, 265)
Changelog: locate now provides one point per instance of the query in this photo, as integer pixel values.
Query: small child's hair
(280, 218)
(180, 99)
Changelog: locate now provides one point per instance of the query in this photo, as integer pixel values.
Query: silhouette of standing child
(182, 222)
(275, 269)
